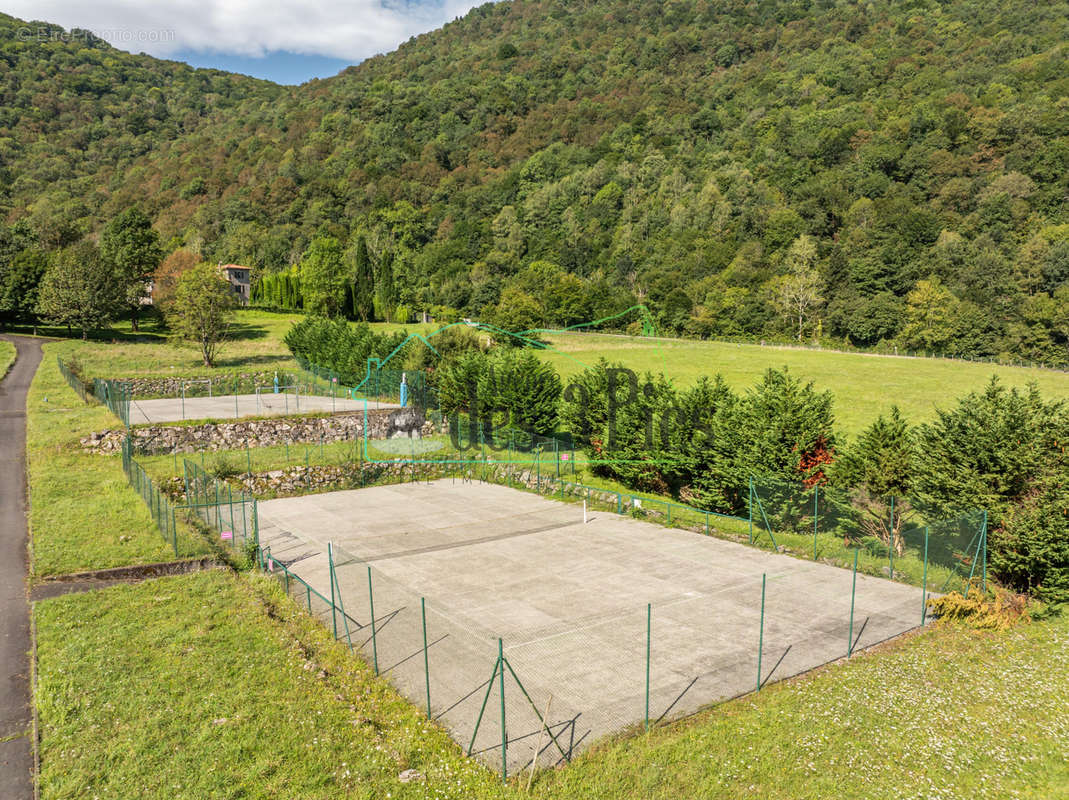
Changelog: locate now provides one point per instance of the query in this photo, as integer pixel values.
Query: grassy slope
(191, 687)
(949, 713)
(121, 353)
(214, 686)
(864, 385)
(7, 357)
(83, 514)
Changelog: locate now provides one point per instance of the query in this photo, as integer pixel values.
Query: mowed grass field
(83, 513)
(864, 385)
(7, 357)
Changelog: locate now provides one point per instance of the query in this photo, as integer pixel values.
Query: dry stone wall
(226, 383)
(158, 439)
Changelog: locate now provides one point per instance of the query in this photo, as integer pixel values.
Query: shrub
(996, 610)
(339, 346)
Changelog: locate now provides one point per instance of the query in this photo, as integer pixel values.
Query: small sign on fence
(270, 565)
(227, 534)
(564, 456)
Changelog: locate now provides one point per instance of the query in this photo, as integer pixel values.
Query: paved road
(16, 747)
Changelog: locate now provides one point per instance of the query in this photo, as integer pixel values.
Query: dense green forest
(879, 174)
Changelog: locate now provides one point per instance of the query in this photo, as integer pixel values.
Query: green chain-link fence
(889, 535)
(163, 510)
(73, 380)
(231, 514)
(116, 396)
(526, 671)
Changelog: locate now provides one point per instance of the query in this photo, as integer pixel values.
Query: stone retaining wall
(157, 439)
(244, 382)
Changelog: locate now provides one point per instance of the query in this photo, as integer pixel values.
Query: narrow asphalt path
(16, 746)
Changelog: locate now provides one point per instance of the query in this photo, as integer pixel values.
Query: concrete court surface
(172, 409)
(569, 601)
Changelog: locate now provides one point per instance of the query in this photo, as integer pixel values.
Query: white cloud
(349, 29)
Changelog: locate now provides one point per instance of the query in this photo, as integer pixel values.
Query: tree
(882, 459)
(526, 390)
(877, 468)
(323, 276)
(79, 289)
(1001, 450)
(132, 247)
(797, 295)
(386, 296)
(202, 310)
(786, 430)
(20, 285)
(363, 281)
(930, 317)
(515, 313)
(1030, 549)
(170, 270)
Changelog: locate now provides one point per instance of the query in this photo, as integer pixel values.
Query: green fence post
(751, 509)
(333, 597)
(649, 633)
(816, 497)
(248, 458)
(924, 591)
(853, 592)
(761, 636)
(983, 544)
(504, 733)
(255, 522)
(371, 604)
(426, 660)
(174, 532)
(233, 521)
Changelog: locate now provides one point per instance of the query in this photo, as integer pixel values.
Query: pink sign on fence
(270, 565)
(564, 456)
(227, 534)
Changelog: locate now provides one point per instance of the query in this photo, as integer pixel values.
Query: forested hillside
(885, 173)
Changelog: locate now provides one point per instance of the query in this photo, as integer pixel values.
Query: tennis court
(568, 601)
(264, 404)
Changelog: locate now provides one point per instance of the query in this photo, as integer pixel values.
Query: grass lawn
(121, 353)
(948, 713)
(863, 385)
(83, 513)
(7, 357)
(215, 685)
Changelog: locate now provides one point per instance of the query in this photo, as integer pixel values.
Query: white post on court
(584, 512)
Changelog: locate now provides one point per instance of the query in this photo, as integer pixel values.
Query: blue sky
(279, 66)
(286, 43)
